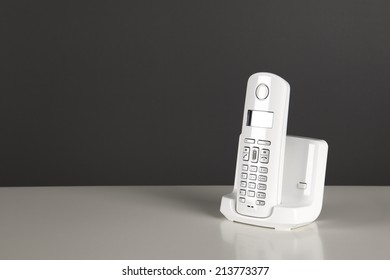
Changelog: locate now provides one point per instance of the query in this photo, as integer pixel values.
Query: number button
(263, 170)
(244, 175)
(261, 195)
(251, 193)
(252, 177)
(262, 178)
(261, 187)
(260, 202)
(242, 192)
(252, 185)
(253, 168)
(244, 167)
(243, 184)
(242, 199)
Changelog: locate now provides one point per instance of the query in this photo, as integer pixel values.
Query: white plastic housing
(302, 190)
(264, 120)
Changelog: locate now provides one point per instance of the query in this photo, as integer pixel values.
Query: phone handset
(260, 160)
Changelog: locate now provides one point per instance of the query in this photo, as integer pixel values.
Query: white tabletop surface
(182, 222)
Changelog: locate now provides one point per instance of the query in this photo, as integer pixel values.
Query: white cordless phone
(260, 160)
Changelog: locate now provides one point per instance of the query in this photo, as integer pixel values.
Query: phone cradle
(302, 188)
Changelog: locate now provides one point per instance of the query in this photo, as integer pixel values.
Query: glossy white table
(182, 222)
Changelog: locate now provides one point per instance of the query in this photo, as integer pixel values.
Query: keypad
(255, 170)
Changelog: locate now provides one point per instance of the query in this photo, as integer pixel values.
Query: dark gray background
(152, 92)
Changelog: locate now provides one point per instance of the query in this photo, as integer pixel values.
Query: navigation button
(255, 154)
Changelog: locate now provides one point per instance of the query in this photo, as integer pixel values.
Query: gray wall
(152, 92)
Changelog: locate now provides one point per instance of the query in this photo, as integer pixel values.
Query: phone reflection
(251, 242)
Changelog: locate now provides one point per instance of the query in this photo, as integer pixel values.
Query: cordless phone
(260, 160)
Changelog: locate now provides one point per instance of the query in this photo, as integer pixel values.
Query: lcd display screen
(260, 119)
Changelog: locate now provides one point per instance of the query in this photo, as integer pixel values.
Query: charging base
(302, 189)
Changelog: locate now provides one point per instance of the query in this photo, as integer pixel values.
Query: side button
(302, 185)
